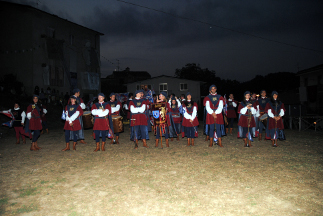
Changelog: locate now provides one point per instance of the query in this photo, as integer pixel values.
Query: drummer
(261, 105)
(115, 111)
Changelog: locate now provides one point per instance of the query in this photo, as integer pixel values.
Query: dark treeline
(280, 81)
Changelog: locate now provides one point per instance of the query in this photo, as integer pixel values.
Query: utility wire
(225, 28)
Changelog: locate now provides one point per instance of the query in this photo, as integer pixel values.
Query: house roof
(311, 70)
(4, 3)
(156, 77)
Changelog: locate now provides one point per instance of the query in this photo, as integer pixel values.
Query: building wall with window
(44, 50)
(170, 85)
(311, 89)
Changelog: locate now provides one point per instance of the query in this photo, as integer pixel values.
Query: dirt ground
(179, 180)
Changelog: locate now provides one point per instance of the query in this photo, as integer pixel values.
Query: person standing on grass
(246, 122)
(115, 111)
(19, 119)
(261, 105)
(34, 124)
(72, 123)
(275, 110)
(231, 113)
(138, 120)
(174, 111)
(214, 124)
(102, 121)
(80, 102)
(190, 121)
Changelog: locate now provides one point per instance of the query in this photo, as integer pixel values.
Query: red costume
(214, 102)
(35, 120)
(100, 122)
(71, 109)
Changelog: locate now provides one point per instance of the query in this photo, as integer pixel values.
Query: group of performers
(166, 118)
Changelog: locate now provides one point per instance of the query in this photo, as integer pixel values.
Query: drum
(87, 119)
(264, 118)
(159, 113)
(117, 124)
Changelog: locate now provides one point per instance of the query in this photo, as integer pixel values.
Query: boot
(171, 139)
(42, 132)
(207, 138)
(245, 142)
(249, 143)
(227, 130)
(82, 141)
(273, 143)
(145, 144)
(192, 141)
(260, 136)
(188, 141)
(74, 145)
(67, 147)
(36, 146)
(117, 139)
(97, 147)
(177, 138)
(47, 131)
(32, 147)
(136, 144)
(24, 140)
(231, 131)
(157, 140)
(167, 143)
(111, 141)
(18, 141)
(102, 146)
(220, 142)
(211, 142)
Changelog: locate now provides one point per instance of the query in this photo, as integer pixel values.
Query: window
(56, 76)
(183, 86)
(162, 87)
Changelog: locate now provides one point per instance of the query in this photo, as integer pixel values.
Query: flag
(275, 135)
(215, 137)
(181, 110)
(8, 124)
(63, 117)
(248, 135)
(10, 115)
(149, 96)
(110, 134)
(225, 106)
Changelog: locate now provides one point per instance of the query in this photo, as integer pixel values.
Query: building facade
(44, 50)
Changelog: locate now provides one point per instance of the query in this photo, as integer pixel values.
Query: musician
(275, 110)
(72, 124)
(231, 113)
(34, 111)
(246, 111)
(115, 111)
(182, 99)
(175, 129)
(19, 119)
(190, 121)
(102, 121)
(77, 93)
(138, 120)
(253, 98)
(214, 119)
(261, 105)
(163, 128)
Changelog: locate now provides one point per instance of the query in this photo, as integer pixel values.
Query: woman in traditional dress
(275, 110)
(34, 124)
(72, 123)
(246, 122)
(190, 121)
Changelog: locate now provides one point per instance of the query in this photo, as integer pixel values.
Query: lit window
(183, 86)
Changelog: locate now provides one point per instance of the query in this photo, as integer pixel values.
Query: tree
(194, 71)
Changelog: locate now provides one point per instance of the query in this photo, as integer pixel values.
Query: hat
(112, 93)
(188, 93)
(138, 91)
(101, 94)
(274, 92)
(35, 96)
(212, 86)
(164, 93)
(76, 90)
(247, 92)
(73, 96)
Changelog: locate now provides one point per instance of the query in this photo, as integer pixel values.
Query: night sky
(216, 34)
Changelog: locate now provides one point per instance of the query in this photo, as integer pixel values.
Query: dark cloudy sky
(146, 40)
